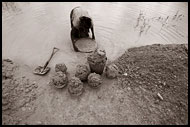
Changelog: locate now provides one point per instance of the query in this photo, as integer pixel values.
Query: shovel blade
(41, 71)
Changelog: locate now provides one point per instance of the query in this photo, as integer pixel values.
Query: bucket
(97, 61)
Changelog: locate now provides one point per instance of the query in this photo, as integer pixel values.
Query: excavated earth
(152, 88)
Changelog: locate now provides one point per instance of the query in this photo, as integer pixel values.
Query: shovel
(43, 70)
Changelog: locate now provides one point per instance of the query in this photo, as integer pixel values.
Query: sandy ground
(132, 99)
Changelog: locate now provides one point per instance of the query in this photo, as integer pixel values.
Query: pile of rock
(18, 93)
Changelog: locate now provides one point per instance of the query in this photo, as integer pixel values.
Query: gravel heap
(18, 94)
(162, 70)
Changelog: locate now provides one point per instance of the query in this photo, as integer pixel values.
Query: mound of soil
(18, 93)
(158, 77)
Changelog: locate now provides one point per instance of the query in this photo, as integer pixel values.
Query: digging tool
(44, 70)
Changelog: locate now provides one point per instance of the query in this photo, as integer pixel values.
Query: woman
(81, 22)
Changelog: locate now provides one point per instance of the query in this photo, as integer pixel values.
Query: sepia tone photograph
(94, 63)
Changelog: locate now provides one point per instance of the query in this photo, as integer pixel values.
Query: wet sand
(31, 30)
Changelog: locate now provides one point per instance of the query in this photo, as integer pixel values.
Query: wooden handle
(53, 52)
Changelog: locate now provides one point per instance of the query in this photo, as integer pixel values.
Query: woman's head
(85, 22)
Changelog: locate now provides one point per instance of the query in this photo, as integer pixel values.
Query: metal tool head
(44, 70)
(41, 71)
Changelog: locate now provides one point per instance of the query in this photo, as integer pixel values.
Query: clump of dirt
(59, 80)
(94, 80)
(82, 72)
(75, 86)
(158, 77)
(61, 67)
(18, 94)
(111, 71)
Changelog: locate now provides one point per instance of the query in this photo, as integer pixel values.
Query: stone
(112, 71)
(160, 97)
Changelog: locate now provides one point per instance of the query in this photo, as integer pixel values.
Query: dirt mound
(158, 77)
(18, 94)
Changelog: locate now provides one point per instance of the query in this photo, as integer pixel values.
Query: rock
(27, 85)
(6, 107)
(99, 97)
(61, 67)
(23, 108)
(94, 80)
(128, 88)
(29, 108)
(36, 86)
(59, 80)
(5, 102)
(125, 74)
(20, 120)
(160, 97)
(75, 86)
(7, 74)
(82, 72)
(5, 95)
(27, 90)
(34, 83)
(39, 123)
(27, 100)
(8, 60)
(112, 71)
(121, 100)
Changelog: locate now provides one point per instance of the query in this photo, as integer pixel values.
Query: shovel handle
(53, 52)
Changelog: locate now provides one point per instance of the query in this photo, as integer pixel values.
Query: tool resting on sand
(44, 70)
